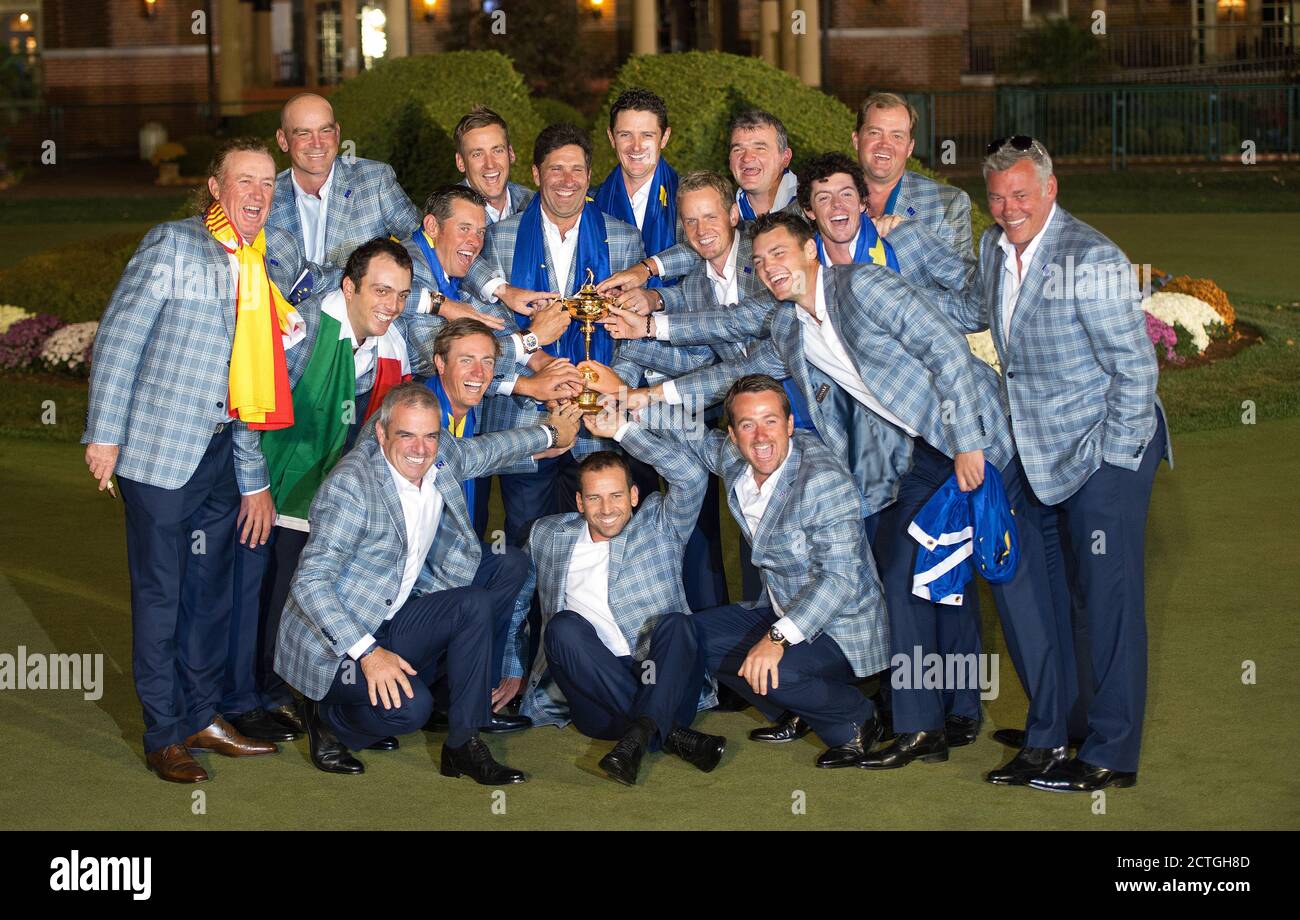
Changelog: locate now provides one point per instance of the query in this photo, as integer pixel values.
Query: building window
(374, 37)
(329, 43)
(1036, 11)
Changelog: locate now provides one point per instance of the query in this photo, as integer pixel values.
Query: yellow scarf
(259, 380)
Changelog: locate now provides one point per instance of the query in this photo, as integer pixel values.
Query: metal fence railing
(1115, 125)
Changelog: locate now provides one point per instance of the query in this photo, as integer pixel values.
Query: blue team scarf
(747, 209)
(659, 228)
(471, 418)
(869, 248)
(893, 197)
(528, 271)
(450, 287)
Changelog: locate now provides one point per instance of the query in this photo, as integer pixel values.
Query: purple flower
(21, 345)
(1162, 336)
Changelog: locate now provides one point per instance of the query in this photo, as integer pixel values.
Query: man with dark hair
(333, 204)
(884, 137)
(614, 610)
(549, 250)
(393, 583)
(820, 622)
(484, 154)
(176, 401)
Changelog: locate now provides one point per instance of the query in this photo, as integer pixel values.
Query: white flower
(981, 346)
(65, 349)
(9, 315)
(1192, 313)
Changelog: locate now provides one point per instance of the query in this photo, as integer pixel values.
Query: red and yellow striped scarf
(259, 379)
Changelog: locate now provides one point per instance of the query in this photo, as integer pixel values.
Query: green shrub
(199, 150)
(404, 111)
(554, 111)
(74, 281)
(261, 125)
(704, 89)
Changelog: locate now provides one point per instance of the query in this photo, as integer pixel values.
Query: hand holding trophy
(589, 307)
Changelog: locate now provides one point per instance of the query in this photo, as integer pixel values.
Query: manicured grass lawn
(1217, 753)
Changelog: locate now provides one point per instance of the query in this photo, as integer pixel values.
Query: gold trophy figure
(589, 306)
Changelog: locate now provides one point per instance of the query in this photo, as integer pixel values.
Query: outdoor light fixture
(428, 9)
(1231, 7)
(150, 9)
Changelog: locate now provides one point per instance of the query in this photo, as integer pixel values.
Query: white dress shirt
(493, 215)
(1014, 272)
(726, 289)
(312, 215)
(754, 500)
(421, 511)
(639, 198)
(586, 591)
(559, 253)
(823, 349)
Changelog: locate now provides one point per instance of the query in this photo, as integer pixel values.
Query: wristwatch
(555, 433)
(436, 299)
(776, 636)
(530, 343)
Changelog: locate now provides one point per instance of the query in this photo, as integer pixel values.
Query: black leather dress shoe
(383, 744)
(1028, 763)
(503, 723)
(729, 700)
(257, 723)
(960, 730)
(623, 762)
(929, 747)
(1076, 776)
(787, 728)
(328, 753)
(288, 716)
(437, 722)
(850, 752)
(696, 748)
(473, 759)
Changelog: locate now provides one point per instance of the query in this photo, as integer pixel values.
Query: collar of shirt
(819, 303)
(639, 199)
(405, 485)
(1027, 256)
(853, 247)
(322, 196)
(726, 281)
(561, 251)
(755, 497)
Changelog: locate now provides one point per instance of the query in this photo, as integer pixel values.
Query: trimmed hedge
(554, 111)
(74, 281)
(704, 89)
(404, 111)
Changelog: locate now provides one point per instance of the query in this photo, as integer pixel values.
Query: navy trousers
(703, 575)
(914, 622)
(607, 693)
(180, 549)
(816, 680)
(528, 496)
(1101, 537)
(445, 632)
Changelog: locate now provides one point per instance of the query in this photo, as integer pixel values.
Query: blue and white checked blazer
(645, 566)
(365, 203)
(811, 545)
(943, 209)
(1079, 373)
(161, 371)
(351, 568)
(909, 354)
(694, 294)
(499, 413)
(680, 258)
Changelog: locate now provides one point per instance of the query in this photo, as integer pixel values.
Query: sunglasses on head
(1018, 141)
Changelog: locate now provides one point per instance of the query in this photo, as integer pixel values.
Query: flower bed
(1185, 315)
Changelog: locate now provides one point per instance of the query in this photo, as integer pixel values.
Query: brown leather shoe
(174, 764)
(222, 737)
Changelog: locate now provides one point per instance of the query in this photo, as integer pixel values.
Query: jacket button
(1011, 375)
(220, 404)
(388, 603)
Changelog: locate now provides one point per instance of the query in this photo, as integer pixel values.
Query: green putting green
(1221, 551)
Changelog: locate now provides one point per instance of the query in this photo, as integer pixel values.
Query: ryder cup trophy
(589, 306)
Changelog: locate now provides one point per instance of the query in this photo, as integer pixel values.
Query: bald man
(333, 204)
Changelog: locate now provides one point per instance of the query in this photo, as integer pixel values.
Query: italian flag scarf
(259, 380)
(324, 405)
